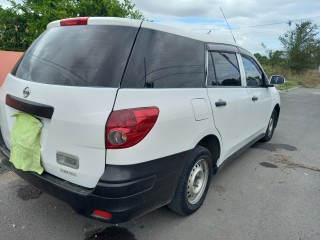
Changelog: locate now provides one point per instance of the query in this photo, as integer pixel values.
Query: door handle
(254, 98)
(221, 103)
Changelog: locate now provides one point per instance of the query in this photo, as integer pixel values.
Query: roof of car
(150, 25)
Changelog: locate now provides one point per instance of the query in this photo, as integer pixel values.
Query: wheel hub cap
(197, 181)
(270, 126)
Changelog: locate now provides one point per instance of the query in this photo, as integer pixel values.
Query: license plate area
(68, 160)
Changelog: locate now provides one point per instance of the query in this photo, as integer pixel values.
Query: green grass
(308, 78)
(287, 85)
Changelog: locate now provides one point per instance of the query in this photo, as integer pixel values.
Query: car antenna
(228, 25)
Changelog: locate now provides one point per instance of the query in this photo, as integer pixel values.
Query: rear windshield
(92, 56)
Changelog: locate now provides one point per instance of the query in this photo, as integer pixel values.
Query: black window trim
(219, 47)
(222, 86)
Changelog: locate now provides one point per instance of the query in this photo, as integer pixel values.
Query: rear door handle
(221, 103)
(254, 98)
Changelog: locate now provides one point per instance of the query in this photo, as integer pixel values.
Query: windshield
(78, 56)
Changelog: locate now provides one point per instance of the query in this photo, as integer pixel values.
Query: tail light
(74, 21)
(125, 128)
(102, 214)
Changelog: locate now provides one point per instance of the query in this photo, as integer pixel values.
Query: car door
(259, 94)
(230, 102)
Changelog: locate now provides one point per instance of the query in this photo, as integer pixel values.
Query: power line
(260, 25)
(269, 24)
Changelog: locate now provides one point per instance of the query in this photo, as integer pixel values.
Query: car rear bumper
(124, 191)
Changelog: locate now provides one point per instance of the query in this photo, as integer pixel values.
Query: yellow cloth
(25, 143)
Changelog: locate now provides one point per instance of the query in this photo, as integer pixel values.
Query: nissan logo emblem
(26, 92)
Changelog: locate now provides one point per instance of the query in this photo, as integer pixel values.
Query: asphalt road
(272, 191)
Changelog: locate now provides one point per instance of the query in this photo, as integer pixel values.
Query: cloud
(203, 15)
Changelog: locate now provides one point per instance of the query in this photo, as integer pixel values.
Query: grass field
(306, 78)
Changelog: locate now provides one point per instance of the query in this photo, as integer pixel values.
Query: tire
(271, 126)
(194, 182)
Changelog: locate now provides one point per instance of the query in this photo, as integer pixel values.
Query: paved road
(272, 191)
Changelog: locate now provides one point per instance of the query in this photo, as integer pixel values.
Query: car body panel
(231, 120)
(176, 129)
(80, 122)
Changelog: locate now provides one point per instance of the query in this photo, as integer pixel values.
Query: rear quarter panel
(176, 129)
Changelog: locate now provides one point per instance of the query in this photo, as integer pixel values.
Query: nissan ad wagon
(127, 115)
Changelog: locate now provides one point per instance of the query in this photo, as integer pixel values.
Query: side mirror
(277, 80)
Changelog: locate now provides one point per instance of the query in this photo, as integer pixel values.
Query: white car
(135, 115)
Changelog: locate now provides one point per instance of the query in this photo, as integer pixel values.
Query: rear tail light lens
(74, 21)
(102, 214)
(125, 128)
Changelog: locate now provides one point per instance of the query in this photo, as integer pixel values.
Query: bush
(305, 78)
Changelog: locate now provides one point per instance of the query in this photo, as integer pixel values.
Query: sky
(244, 17)
(252, 21)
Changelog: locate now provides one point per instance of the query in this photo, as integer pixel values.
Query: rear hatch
(73, 72)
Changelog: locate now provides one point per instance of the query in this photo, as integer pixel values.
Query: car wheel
(270, 129)
(194, 182)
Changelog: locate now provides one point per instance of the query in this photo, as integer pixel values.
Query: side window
(254, 75)
(164, 60)
(211, 76)
(226, 68)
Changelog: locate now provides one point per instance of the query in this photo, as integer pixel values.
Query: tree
(12, 34)
(262, 59)
(273, 58)
(107, 8)
(276, 58)
(301, 46)
(22, 23)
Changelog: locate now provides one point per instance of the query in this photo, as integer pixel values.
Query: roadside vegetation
(306, 78)
(22, 23)
(299, 62)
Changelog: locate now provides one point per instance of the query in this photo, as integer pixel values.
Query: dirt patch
(112, 233)
(28, 192)
(290, 164)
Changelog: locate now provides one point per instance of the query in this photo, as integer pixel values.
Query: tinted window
(164, 60)
(254, 75)
(226, 69)
(78, 56)
(211, 77)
